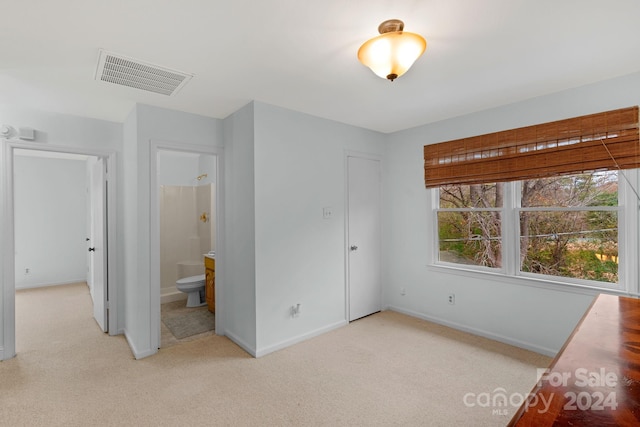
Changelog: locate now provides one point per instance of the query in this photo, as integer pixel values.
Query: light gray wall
(300, 257)
(176, 168)
(239, 261)
(65, 130)
(128, 241)
(281, 169)
(182, 169)
(144, 125)
(50, 205)
(528, 316)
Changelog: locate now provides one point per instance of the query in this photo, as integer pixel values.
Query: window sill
(527, 281)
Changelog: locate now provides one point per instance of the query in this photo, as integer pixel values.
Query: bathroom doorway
(185, 206)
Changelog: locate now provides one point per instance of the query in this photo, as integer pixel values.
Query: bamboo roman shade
(601, 141)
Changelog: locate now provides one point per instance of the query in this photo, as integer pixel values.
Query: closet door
(364, 237)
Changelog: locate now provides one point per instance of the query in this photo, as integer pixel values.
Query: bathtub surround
(184, 235)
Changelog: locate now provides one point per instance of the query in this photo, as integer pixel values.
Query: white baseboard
(286, 343)
(496, 337)
(172, 296)
(137, 354)
(46, 285)
(6, 356)
(246, 347)
(114, 332)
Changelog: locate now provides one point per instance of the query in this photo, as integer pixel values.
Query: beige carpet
(383, 370)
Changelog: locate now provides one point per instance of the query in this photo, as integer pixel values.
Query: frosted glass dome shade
(391, 54)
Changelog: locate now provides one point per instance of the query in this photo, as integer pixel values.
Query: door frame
(7, 245)
(361, 155)
(155, 146)
(98, 190)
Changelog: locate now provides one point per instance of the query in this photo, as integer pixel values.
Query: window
(556, 201)
(563, 228)
(568, 226)
(469, 224)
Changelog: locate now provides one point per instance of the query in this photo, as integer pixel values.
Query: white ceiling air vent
(121, 70)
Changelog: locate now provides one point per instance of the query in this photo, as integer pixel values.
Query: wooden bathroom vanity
(210, 283)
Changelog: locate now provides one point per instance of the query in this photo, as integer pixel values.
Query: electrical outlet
(403, 291)
(452, 299)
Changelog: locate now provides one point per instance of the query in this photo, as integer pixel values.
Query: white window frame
(628, 236)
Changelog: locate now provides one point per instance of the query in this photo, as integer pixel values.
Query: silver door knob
(354, 248)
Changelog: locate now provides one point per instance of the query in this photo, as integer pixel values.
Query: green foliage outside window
(563, 229)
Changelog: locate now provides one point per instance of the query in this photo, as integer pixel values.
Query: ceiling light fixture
(393, 52)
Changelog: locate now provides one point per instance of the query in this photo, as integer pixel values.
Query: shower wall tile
(203, 200)
(183, 237)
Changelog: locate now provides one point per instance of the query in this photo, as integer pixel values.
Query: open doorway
(51, 218)
(185, 206)
(48, 193)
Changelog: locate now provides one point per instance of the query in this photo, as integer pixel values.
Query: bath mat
(184, 322)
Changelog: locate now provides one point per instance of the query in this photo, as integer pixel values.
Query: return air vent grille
(120, 70)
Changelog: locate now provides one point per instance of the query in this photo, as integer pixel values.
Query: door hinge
(107, 305)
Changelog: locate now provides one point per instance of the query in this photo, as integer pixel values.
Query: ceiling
(301, 55)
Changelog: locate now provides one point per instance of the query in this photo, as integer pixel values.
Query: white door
(97, 247)
(364, 237)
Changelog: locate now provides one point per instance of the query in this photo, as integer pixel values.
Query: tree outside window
(568, 225)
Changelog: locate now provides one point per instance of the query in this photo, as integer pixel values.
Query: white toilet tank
(190, 268)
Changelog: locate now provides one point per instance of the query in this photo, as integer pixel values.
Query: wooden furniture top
(209, 262)
(595, 378)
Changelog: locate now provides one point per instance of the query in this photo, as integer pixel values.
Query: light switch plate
(327, 213)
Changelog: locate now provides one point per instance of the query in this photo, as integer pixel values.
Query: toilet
(193, 286)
